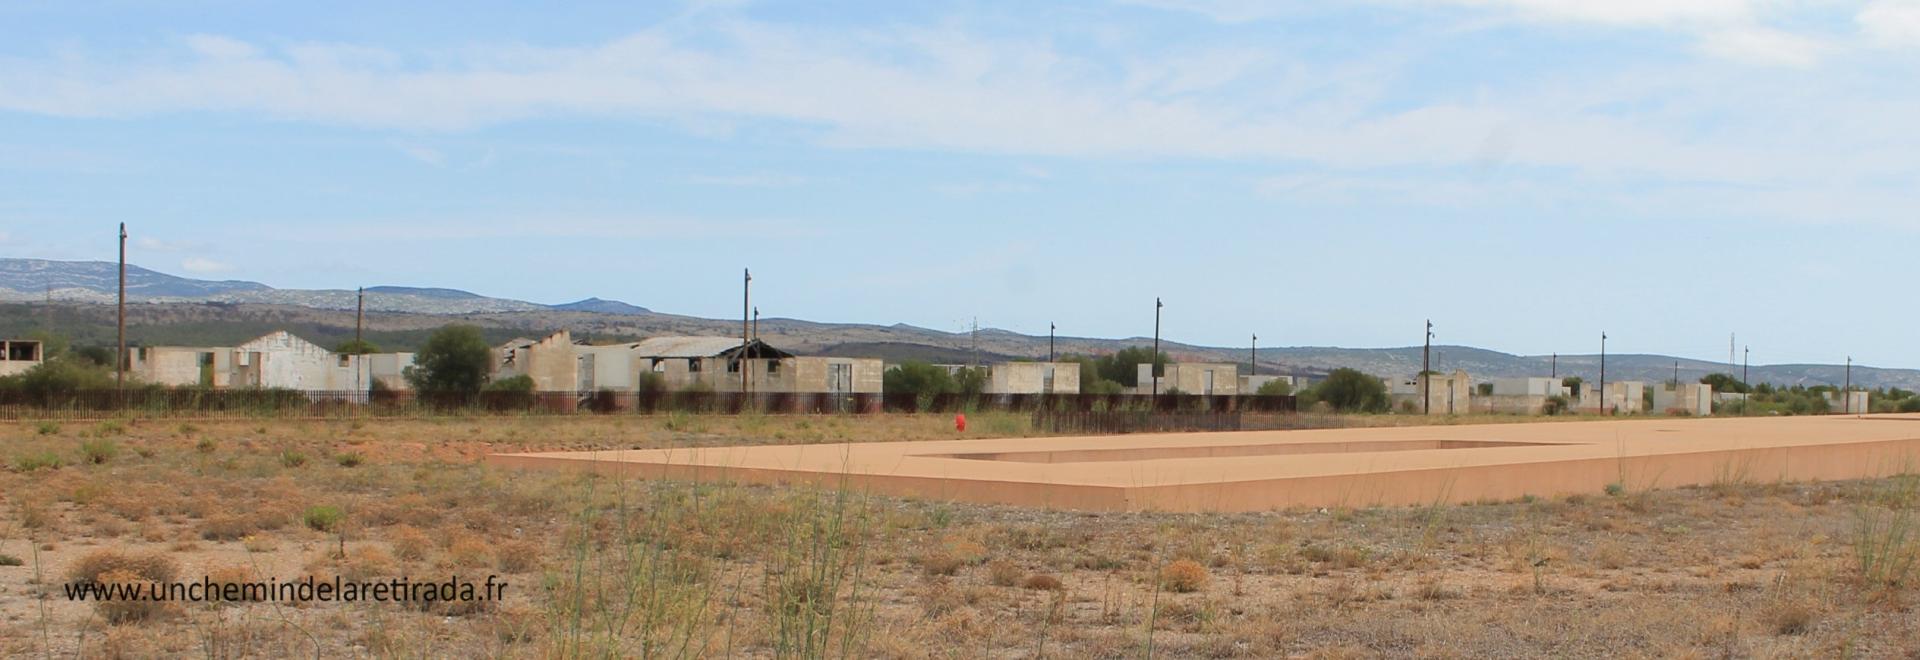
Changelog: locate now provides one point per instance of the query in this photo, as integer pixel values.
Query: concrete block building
(1854, 402)
(1208, 378)
(277, 359)
(1521, 396)
(1685, 399)
(1622, 398)
(1447, 394)
(19, 355)
(1033, 378)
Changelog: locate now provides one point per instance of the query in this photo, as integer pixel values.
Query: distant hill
(183, 311)
(26, 280)
(599, 306)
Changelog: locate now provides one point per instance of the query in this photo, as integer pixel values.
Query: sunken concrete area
(1262, 470)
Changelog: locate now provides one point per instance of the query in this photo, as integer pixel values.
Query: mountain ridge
(229, 312)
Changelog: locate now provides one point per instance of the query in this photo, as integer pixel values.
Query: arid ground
(600, 567)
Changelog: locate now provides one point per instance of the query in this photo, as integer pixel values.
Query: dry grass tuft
(1042, 582)
(1183, 576)
(152, 567)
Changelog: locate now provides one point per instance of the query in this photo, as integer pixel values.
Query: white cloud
(219, 47)
(749, 180)
(426, 155)
(1763, 46)
(1891, 22)
(161, 245)
(203, 265)
(1224, 11)
(1649, 13)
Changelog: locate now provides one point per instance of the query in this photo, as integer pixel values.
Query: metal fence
(193, 402)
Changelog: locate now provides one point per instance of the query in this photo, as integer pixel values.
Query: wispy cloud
(1891, 23)
(163, 245)
(202, 265)
(750, 180)
(426, 155)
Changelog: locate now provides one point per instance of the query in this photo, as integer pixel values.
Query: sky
(1525, 173)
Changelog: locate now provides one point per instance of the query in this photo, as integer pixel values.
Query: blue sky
(1526, 173)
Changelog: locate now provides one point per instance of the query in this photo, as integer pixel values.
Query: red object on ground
(960, 422)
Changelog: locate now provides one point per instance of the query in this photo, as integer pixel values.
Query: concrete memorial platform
(1262, 470)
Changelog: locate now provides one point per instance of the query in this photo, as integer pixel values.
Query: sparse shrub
(47, 428)
(940, 562)
(41, 460)
(206, 446)
(1183, 576)
(470, 552)
(237, 574)
(10, 560)
(1615, 489)
(226, 527)
(1003, 573)
(99, 451)
(1791, 618)
(110, 428)
(1042, 582)
(409, 542)
(292, 459)
(90, 568)
(966, 551)
(350, 459)
(128, 610)
(518, 556)
(323, 517)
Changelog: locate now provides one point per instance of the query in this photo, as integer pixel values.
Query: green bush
(47, 428)
(37, 461)
(1555, 405)
(1276, 387)
(99, 451)
(455, 358)
(323, 517)
(1350, 390)
(350, 459)
(60, 376)
(292, 459)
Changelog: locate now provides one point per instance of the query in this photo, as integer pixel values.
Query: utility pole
(1553, 367)
(756, 321)
(1746, 355)
(746, 331)
(1253, 356)
(1153, 371)
(1846, 403)
(1676, 375)
(1426, 398)
(120, 359)
(1050, 329)
(1603, 372)
(359, 344)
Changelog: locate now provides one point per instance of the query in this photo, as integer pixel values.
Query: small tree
(1724, 383)
(1573, 384)
(454, 359)
(1350, 390)
(356, 347)
(916, 378)
(1275, 387)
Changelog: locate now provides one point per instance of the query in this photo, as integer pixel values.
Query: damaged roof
(700, 347)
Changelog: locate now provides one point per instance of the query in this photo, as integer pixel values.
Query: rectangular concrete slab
(1263, 470)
